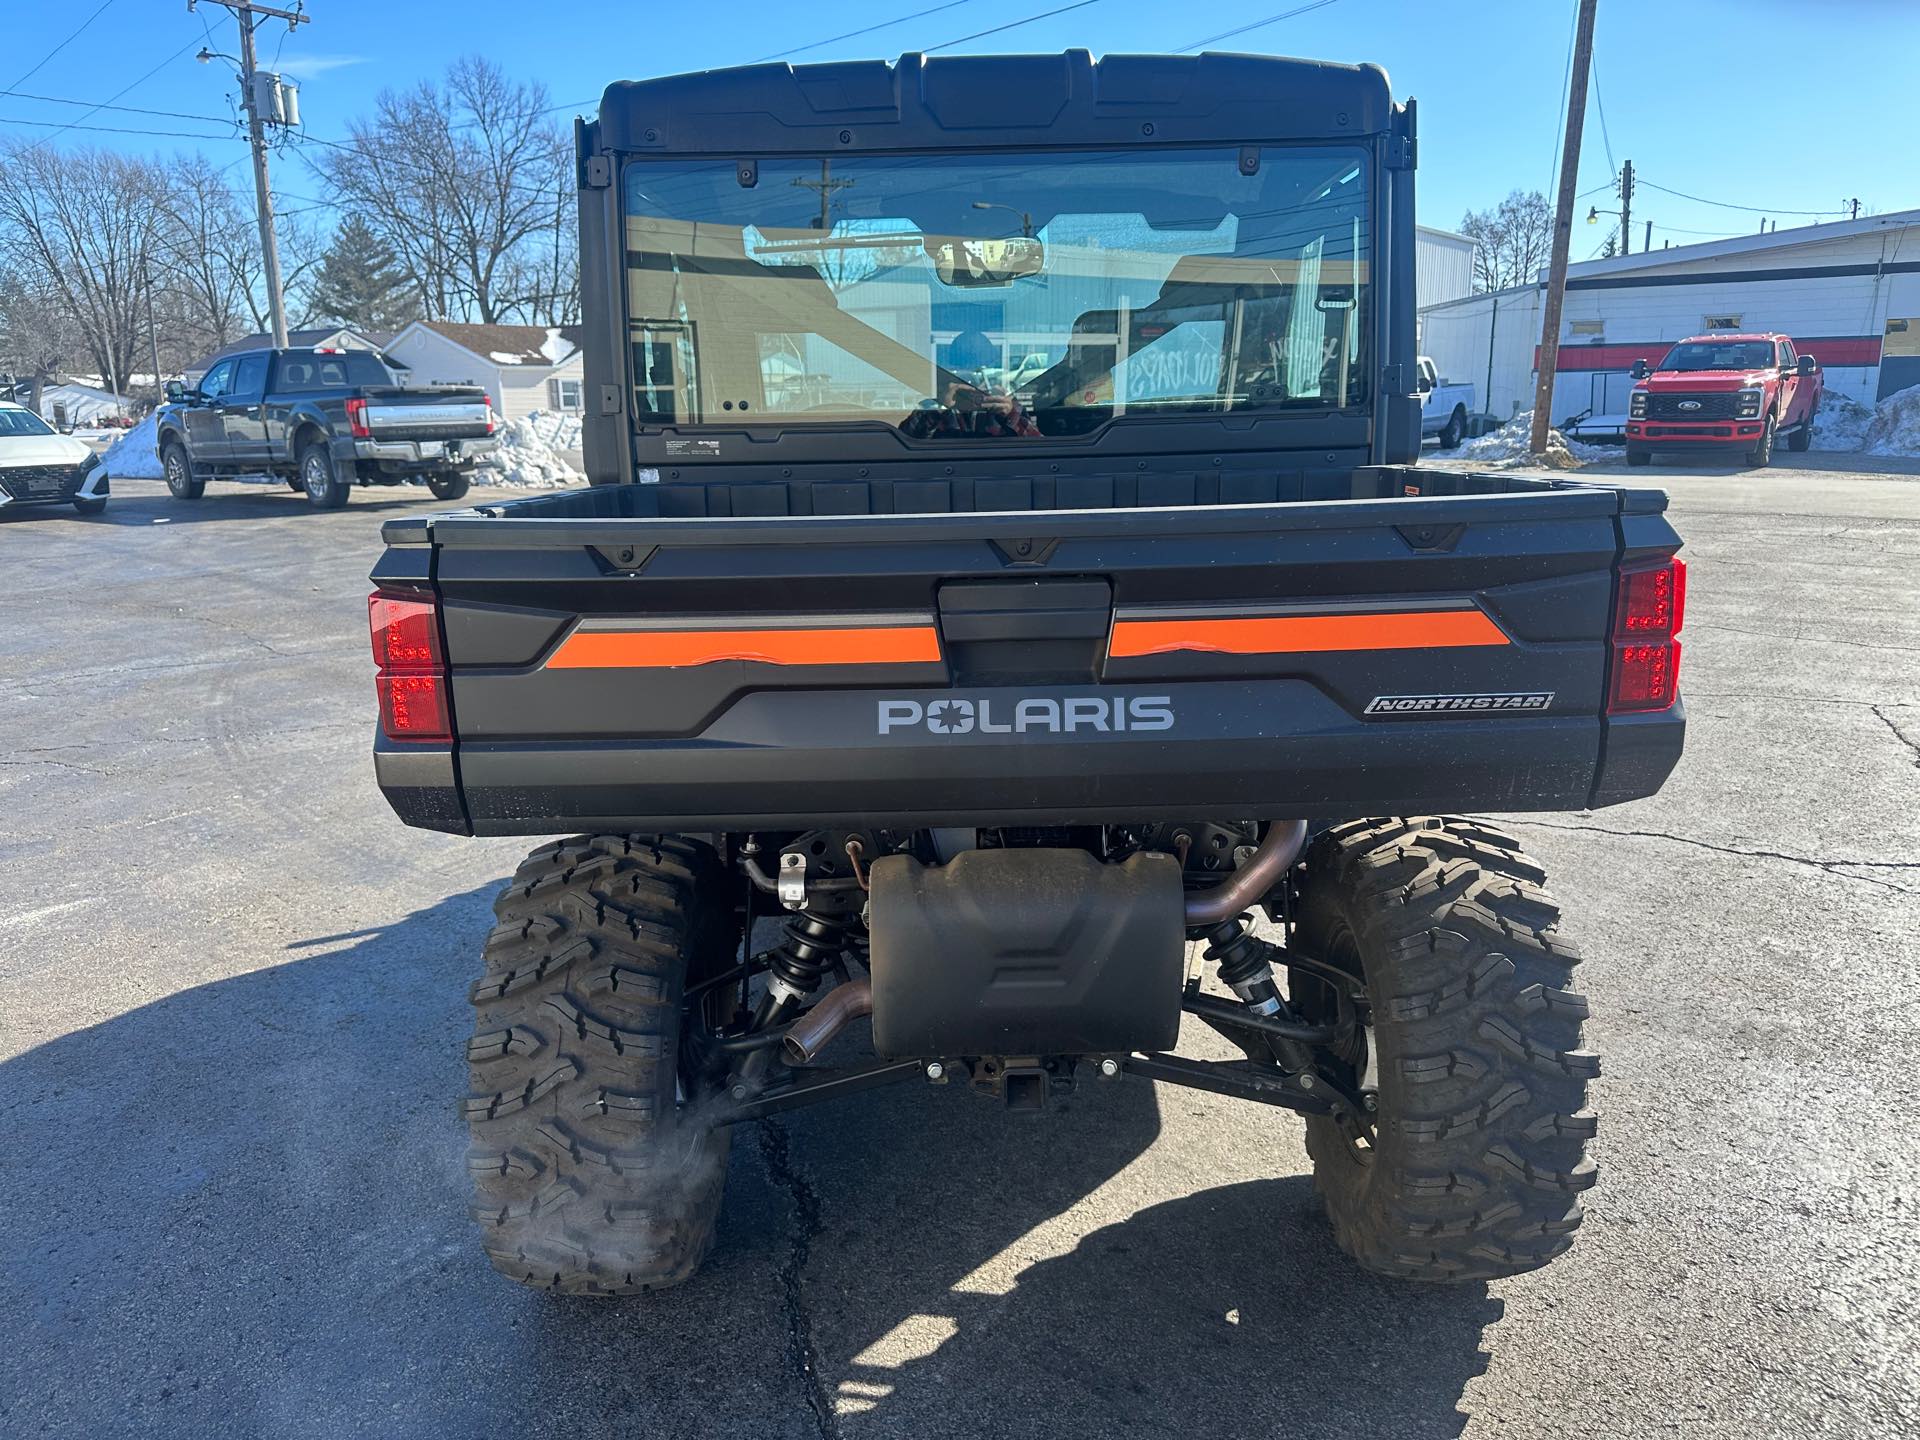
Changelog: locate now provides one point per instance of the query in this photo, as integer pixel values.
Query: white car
(39, 466)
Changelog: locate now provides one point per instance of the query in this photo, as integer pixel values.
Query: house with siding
(522, 367)
(1847, 292)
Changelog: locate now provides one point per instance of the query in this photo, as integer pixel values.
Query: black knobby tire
(320, 478)
(1801, 440)
(1477, 1153)
(450, 486)
(1638, 455)
(590, 1176)
(178, 469)
(294, 484)
(1762, 452)
(1455, 429)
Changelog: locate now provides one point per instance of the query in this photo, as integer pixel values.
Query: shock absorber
(1246, 966)
(808, 950)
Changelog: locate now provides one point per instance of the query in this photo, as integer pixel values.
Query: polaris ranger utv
(991, 684)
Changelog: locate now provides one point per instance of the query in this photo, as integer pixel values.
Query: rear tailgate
(449, 413)
(1310, 659)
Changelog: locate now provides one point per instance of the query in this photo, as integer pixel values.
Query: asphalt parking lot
(232, 1007)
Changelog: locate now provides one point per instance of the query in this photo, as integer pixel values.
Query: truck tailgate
(1325, 658)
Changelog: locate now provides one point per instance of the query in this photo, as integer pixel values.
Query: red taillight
(1646, 620)
(357, 419)
(412, 678)
(488, 401)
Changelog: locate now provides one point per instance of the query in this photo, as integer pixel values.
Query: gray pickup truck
(323, 420)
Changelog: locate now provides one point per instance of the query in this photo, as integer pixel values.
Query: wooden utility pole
(1626, 208)
(249, 16)
(1562, 230)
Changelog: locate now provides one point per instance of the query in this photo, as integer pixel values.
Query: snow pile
(530, 453)
(1842, 423)
(132, 456)
(1890, 428)
(1508, 446)
(1896, 425)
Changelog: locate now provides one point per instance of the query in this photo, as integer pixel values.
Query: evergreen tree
(360, 283)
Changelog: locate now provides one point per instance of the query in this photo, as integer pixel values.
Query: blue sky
(1780, 105)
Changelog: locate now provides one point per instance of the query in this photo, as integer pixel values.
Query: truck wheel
(450, 486)
(1762, 452)
(1638, 455)
(1456, 429)
(181, 480)
(1801, 440)
(295, 484)
(320, 478)
(592, 1173)
(1474, 1162)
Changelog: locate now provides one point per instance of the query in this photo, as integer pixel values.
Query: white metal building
(1442, 265)
(1848, 293)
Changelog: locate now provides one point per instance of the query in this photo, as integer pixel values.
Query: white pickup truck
(1444, 406)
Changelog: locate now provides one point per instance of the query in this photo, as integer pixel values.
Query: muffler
(1025, 952)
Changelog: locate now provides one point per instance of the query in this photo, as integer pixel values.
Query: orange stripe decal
(676, 649)
(1303, 634)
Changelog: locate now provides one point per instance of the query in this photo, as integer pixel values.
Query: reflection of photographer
(969, 405)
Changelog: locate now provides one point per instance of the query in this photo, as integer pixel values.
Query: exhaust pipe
(814, 1031)
(1280, 847)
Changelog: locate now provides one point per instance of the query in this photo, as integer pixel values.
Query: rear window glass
(332, 372)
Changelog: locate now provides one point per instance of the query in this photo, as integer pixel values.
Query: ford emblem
(1689, 405)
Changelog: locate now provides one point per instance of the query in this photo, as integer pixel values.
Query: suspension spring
(808, 950)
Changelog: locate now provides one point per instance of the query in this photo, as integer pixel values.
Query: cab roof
(1723, 336)
(922, 102)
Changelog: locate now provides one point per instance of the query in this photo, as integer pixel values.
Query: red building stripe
(1827, 349)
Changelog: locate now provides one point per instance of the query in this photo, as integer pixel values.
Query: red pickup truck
(1725, 392)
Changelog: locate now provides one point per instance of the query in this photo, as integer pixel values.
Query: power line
(1256, 25)
(75, 124)
(1729, 205)
(63, 44)
(1600, 106)
(1010, 25)
(852, 34)
(126, 109)
(61, 127)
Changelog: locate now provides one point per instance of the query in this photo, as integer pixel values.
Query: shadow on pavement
(240, 1210)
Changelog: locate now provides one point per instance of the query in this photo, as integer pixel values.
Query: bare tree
(210, 254)
(1515, 238)
(38, 336)
(78, 226)
(464, 182)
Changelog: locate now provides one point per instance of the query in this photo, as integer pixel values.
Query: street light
(1026, 217)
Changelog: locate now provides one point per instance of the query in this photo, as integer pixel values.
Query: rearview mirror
(176, 391)
(1639, 371)
(976, 264)
(1806, 365)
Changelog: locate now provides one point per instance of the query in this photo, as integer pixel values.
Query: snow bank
(1890, 428)
(1507, 446)
(132, 456)
(1842, 423)
(530, 453)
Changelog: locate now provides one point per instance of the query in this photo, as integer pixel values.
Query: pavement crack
(802, 1358)
(58, 765)
(1699, 625)
(1913, 745)
(1842, 868)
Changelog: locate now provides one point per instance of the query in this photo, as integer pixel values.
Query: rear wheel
(320, 478)
(1762, 451)
(592, 1172)
(1801, 440)
(181, 480)
(1455, 430)
(1455, 974)
(450, 485)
